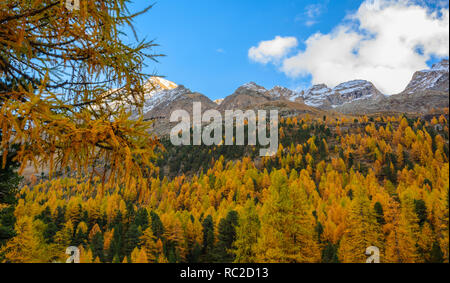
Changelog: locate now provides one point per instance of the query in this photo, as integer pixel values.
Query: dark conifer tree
(421, 211)
(226, 238)
(97, 247)
(141, 219)
(131, 239)
(116, 247)
(9, 182)
(157, 226)
(379, 213)
(437, 256)
(329, 254)
(208, 240)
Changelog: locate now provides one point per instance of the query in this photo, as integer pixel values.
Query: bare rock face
(317, 96)
(326, 98)
(245, 96)
(435, 78)
(428, 90)
(283, 93)
(417, 102)
(298, 97)
(162, 104)
(250, 95)
(354, 91)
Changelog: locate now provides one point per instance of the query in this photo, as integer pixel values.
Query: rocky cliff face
(251, 95)
(246, 96)
(326, 98)
(283, 93)
(160, 105)
(428, 89)
(163, 103)
(317, 96)
(435, 79)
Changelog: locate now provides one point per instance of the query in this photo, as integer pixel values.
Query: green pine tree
(329, 254)
(157, 225)
(132, 239)
(437, 256)
(97, 247)
(226, 237)
(379, 213)
(208, 240)
(9, 183)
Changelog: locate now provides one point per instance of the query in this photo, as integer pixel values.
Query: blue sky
(206, 42)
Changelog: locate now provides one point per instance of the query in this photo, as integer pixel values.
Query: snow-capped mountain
(283, 93)
(317, 95)
(155, 85)
(428, 90)
(354, 91)
(152, 87)
(252, 86)
(163, 98)
(160, 106)
(435, 78)
(164, 102)
(219, 101)
(324, 97)
(158, 84)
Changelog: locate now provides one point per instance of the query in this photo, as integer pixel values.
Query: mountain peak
(219, 101)
(253, 86)
(353, 84)
(158, 84)
(280, 92)
(441, 66)
(436, 78)
(324, 97)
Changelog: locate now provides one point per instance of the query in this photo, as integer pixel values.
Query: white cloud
(313, 10)
(272, 50)
(380, 43)
(310, 15)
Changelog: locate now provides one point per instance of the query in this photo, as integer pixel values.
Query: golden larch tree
(68, 80)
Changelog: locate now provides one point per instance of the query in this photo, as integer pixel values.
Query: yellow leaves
(55, 139)
(108, 236)
(139, 256)
(334, 221)
(288, 206)
(85, 255)
(59, 121)
(82, 226)
(95, 230)
(149, 246)
(5, 156)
